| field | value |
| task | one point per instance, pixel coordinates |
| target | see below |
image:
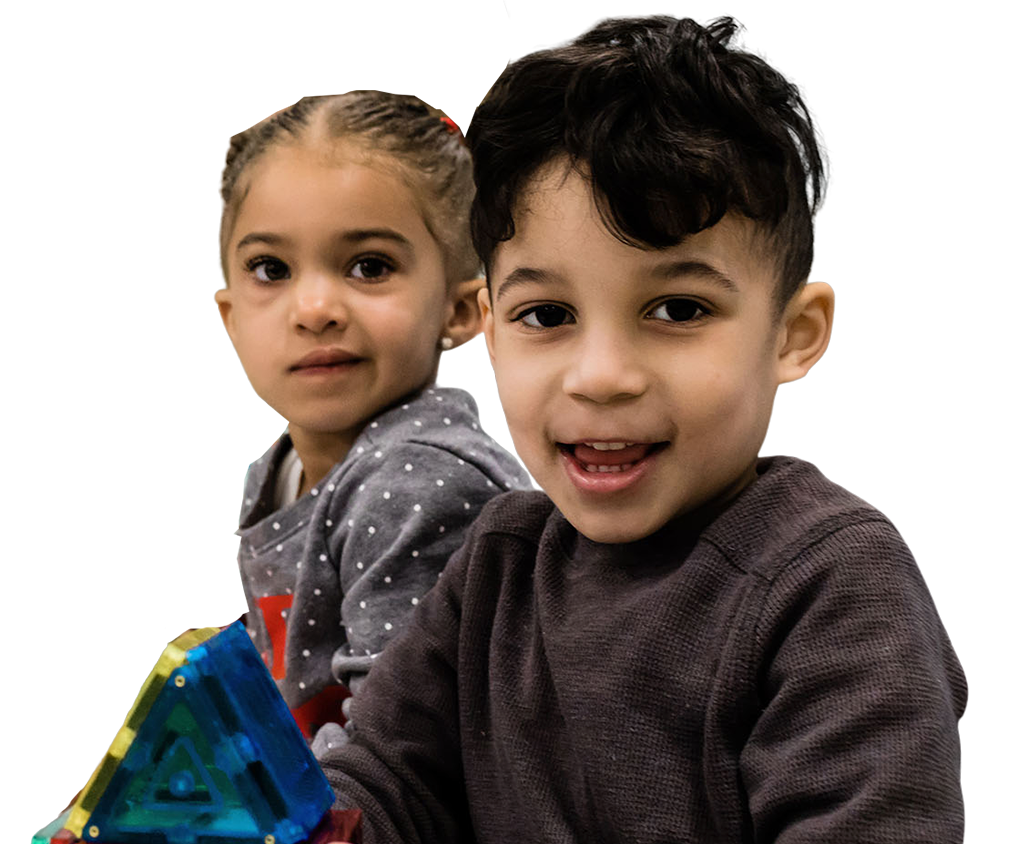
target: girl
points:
(348, 264)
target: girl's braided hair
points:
(425, 144)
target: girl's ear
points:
(224, 299)
(805, 331)
(462, 320)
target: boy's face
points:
(337, 296)
(637, 384)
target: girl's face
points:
(336, 299)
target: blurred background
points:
(129, 424)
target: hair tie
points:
(450, 124)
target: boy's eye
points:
(268, 270)
(545, 316)
(677, 310)
(371, 269)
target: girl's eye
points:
(371, 269)
(545, 316)
(268, 270)
(678, 310)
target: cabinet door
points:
(930, 493)
(186, 407)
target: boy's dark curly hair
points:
(672, 127)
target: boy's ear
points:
(805, 331)
(462, 321)
(487, 319)
(224, 299)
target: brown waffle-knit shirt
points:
(779, 675)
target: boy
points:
(679, 641)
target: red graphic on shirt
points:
(272, 607)
(323, 707)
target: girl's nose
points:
(605, 369)
(319, 303)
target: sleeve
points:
(401, 523)
(403, 766)
(860, 697)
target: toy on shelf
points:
(208, 754)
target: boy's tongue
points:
(614, 457)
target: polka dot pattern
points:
(375, 533)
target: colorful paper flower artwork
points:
(87, 29)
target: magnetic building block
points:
(209, 752)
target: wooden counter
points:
(885, 413)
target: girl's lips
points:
(331, 356)
(603, 471)
(339, 368)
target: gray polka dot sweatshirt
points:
(332, 577)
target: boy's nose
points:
(318, 303)
(605, 370)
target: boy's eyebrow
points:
(664, 271)
(675, 269)
(524, 275)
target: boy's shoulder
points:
(791, 510)
(526, 514)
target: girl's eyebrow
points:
(260, 237)
(357, 235)
(352, 236)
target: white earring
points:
(446, 343)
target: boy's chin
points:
(611, 529)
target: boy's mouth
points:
(609, 456)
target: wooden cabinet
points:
(884, 413)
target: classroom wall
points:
(862, 62)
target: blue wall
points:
(863, 63)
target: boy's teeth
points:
(600, 456)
